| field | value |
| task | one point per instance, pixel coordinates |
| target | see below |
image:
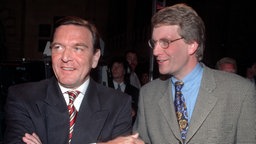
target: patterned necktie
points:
(181, 109)
(72, 112)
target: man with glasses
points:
(195, 104)
(217, 107)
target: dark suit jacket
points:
(225, 112)
(130, 90)
(40, 107)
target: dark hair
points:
(125, 64)
(73, 20)
(131, 51)
(191, 26)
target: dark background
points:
(26, 26)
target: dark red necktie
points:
(72, 111)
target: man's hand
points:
(31, 139)
(131, 139)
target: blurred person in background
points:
(227, 64)
(119, 80)
(132, 59)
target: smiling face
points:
(179, 58)
(72, 55)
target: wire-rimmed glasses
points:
(164, 43)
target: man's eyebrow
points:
(77, 44)
(81, 44)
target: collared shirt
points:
(190, 88)
(134, 80)
(122, 85)
(80, 97)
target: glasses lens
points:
(164, 43)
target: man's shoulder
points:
(226, 79)
(31, 85)
(29, 91)
(157, 84)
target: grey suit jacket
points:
(40, 107)
(225, 112)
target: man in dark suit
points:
(119, 80)
(38, 113)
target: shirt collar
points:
(196, 72)
(116, 84)
(82, 88)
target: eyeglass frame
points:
(161, 41)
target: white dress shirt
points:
(80, 97)
(134, 80)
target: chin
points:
(163, 72)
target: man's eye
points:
(57, 47)
(79, 48)
(164, 42)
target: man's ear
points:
(193, 47)
(96, 57)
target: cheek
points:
(181, 52)
(55, 59)
(85, 62)
(175, 52)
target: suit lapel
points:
(167, 107)
(91, 117)
(54, 111)
(205, 102)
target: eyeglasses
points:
(164, 43)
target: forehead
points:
(165, 31)
(72, 32)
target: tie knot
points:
(73, 95)
(178, 85)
